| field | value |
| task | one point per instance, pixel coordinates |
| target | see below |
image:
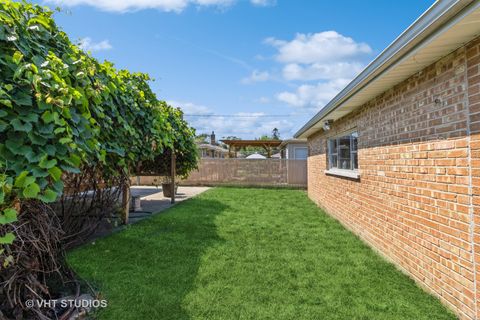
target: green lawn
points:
(247, 254)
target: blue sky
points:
(259, 64)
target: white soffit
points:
(426, 53)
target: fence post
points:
(125, 202)
(172, 172)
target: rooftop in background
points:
(212, 147)
(256, 156)
(292, 141)
(252, 143)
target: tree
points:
(202, 138)
(231, 138)
(275, 134)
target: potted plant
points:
(167, 189)
(185, 162)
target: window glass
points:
(342, 152)
(344, 161)
(354, 141)
(333, 162)
(333, 145)
(355, 160)
(301, 153)
(332, 153)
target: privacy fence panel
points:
(249, 172)
(297, 172)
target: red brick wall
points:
(418, 159)
(473, 85)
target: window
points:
(342, 152)
(301, 153)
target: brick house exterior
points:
(417, 196)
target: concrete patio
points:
(153, 201)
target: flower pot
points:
(167, 188)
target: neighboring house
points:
(212, 149)
(256, 156)
(294, 149)
(395, 156)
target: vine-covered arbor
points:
(73, 131)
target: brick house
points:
(395, 156)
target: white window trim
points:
(353, 174)
(346, 173)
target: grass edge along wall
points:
(419, 165)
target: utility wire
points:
(244, 116)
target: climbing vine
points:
(61, 111)
(186, 152)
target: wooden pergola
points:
(235, 145)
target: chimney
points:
(212, 138)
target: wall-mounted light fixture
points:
(327, 124)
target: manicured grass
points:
(247, 254)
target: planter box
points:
(167, 188)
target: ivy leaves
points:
(61, 109)
(18, 125)
(31, 191)
(7, 238)
(7, 216)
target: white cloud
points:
(190, 108)
(242, 124)
(329, 58)
(263, 3)
(256, 76)
(163, 5)
(317, 71)
(312, 97)
(87, 44)
(322, 47)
